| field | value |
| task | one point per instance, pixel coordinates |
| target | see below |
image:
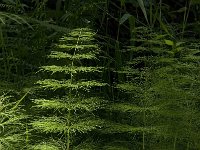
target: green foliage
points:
(50, 145)
(60, 55)
(73, 110)
(55, 84)
(88, 104)
(151, 53)
(158, 100)
(12, 128)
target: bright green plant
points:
(12, 130)
(69, 111)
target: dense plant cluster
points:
(99, 75)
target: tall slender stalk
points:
(70, 94)
(68, 130)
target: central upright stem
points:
(70, 97)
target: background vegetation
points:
(99, 75)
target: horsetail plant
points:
(158, 102)
(12, 129)
(71, 112)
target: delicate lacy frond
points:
(56, 84)
(85, 32)
(68, 69)
(50, 125)
(79, 47)
(88, 104)
(56, 125)
(85, 125)
(81, 38)
(44, 146)
(62, 55)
